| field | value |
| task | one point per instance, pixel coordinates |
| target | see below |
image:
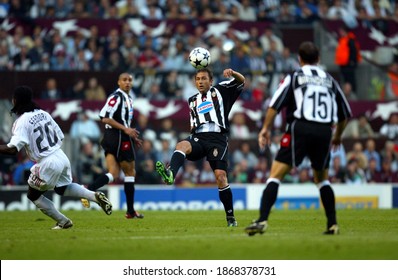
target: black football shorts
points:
(120, 145)
(303, 139)
(213, 146)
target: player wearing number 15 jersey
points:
(314, 102)
(37, 132)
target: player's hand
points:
(264, 138)
(228, 73)
(138, 142)
(336, 142)
(132, 132)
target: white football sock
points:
(47, 207)
(76, 190)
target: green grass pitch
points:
(367, 234)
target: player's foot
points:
(66, 225)
(85, 202)
(231, 221)
(256, 227)
(104, 202)
(334, 229)
(135, 215)
(166, 173)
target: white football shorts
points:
(52, 171)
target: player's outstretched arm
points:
(228, 73)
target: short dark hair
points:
(207, 70)
(23, 100)
(309, 53)
(124, 73)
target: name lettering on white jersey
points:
(38, 133)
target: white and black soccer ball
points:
(199, 58)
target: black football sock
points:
(177, 160)
(268, 199)
(129, 191)
(225, 195)
(328, 201)
(100, 182)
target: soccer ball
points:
(199, 58)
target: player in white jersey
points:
(37, 132)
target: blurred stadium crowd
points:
(123, 50)
(274, 10)
(369, 154)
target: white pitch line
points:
(146, 237)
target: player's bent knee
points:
(60, 190)
(320, 176)
(184, 146)
(221, 177)
(33, 194)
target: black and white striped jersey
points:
(311, 94)
(119, 106)
(209, 112)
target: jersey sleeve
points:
(230, 90)
(192, 105)
(110, 107)
(282, 94)
(57, 129)
(20, 134)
